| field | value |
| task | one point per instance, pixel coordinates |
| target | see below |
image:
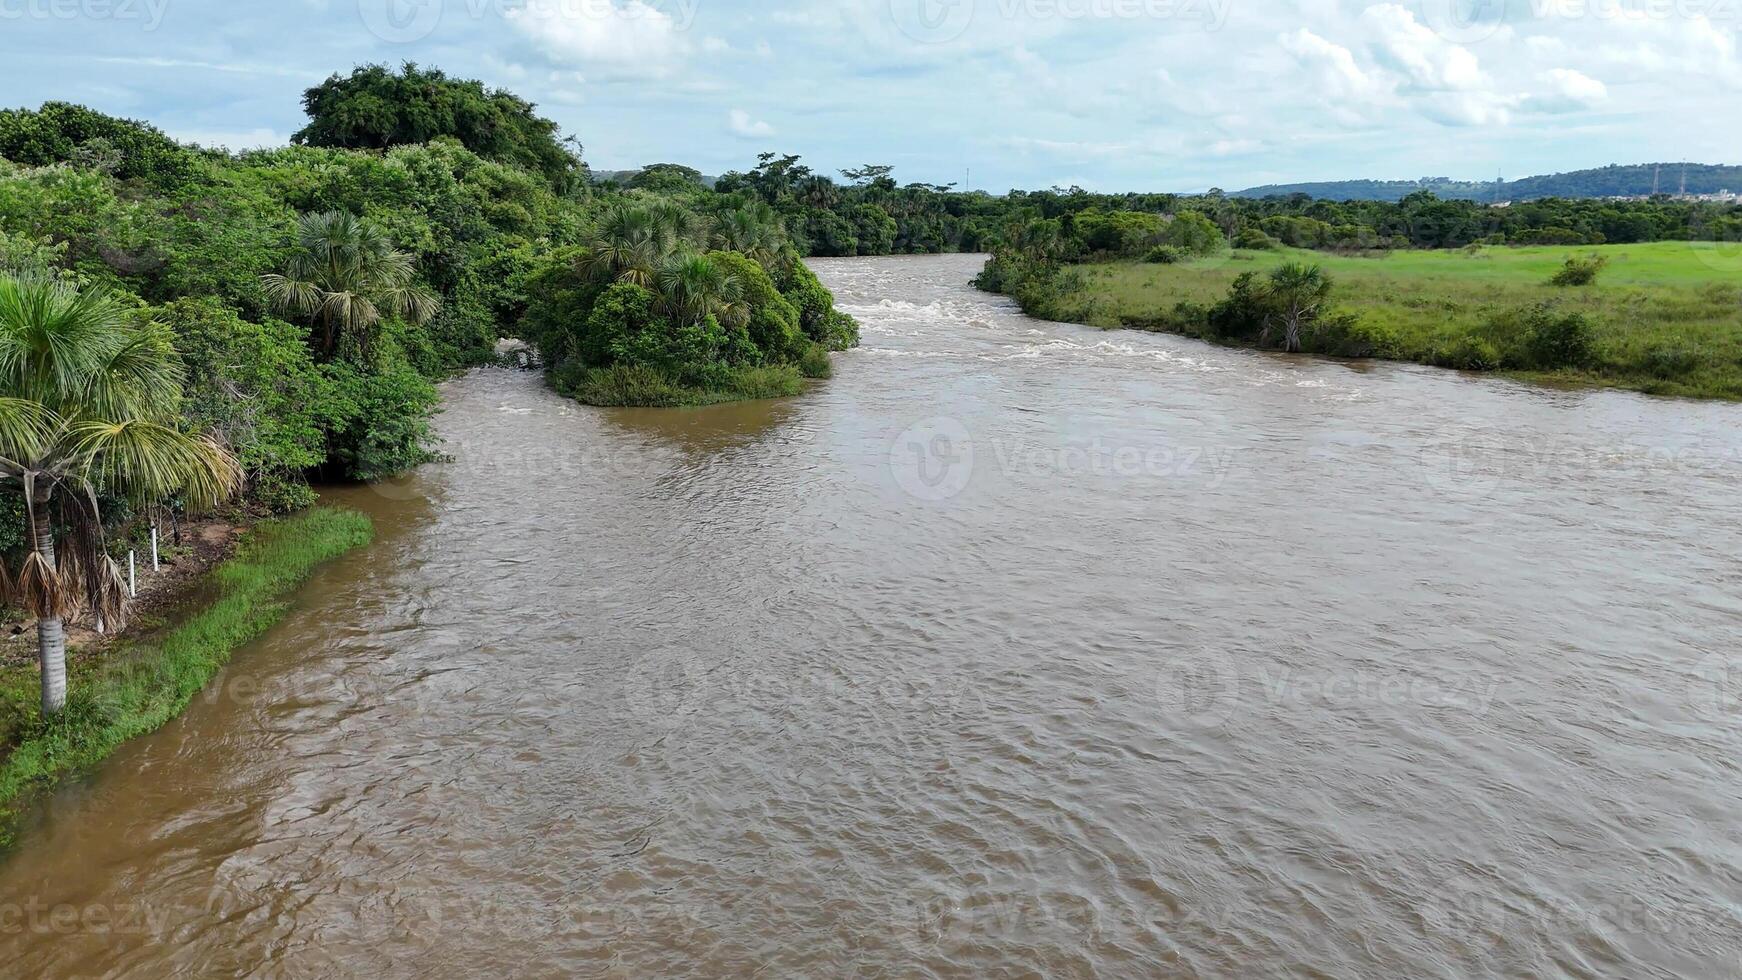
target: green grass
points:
(1666, 316)
(624, 386)
(136, 690)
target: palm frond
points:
(27, 429)
(150, 461)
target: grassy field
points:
(136, 690)
(1666, 317)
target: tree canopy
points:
(376, 107)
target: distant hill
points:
(1634, 180)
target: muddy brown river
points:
(1016, 649)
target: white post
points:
(154, 547)
(132, 576)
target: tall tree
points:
(375, 108)
(87, 407)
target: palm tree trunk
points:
(51, 636)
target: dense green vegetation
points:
(1632, 180)
(1663, 318)
(87, 407)
(137, 690)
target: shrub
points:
(1350, 336)
(60, 132)
(768, 381)
(1193, 233)
(1165, 255)
(625, 384)
(1667, 362)
(1468, 353)
(1241, 314)
(815, 362)
(1558, 341)
(817, 315)
(1579, 271)
(773, 326)
(382, 416)
(1256, 240)
(256, 386)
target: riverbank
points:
(1664, 318)
(122, 689)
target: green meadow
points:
(1666, 317)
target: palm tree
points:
(628, 245)
(683, 228)
(692, 287)
(818, 191)
(754, 231)
(344, 274)
(87, 407)
(1297, 292)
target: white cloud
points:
(1331, 69)
(743, 126)
(611, 39)
(1429, 61)
(1566, 90)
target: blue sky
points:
(1109, 94)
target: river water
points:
(1017, 648)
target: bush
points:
(60, 132)
(1668, 363)
(623, 385)
(1468, 353)
(1240, 315)
(773, 326)
(768, 381)
(1537, 338)
(381, 416)
(817, 315)
(255, 385)
(1165, 255)
(1562, 341)
(1256, 240)
(1193, 234)
(815, 362)
(1579, 271)
(1349, 336)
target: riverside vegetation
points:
(187, 327)
(1662, 317)
(137, 689)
